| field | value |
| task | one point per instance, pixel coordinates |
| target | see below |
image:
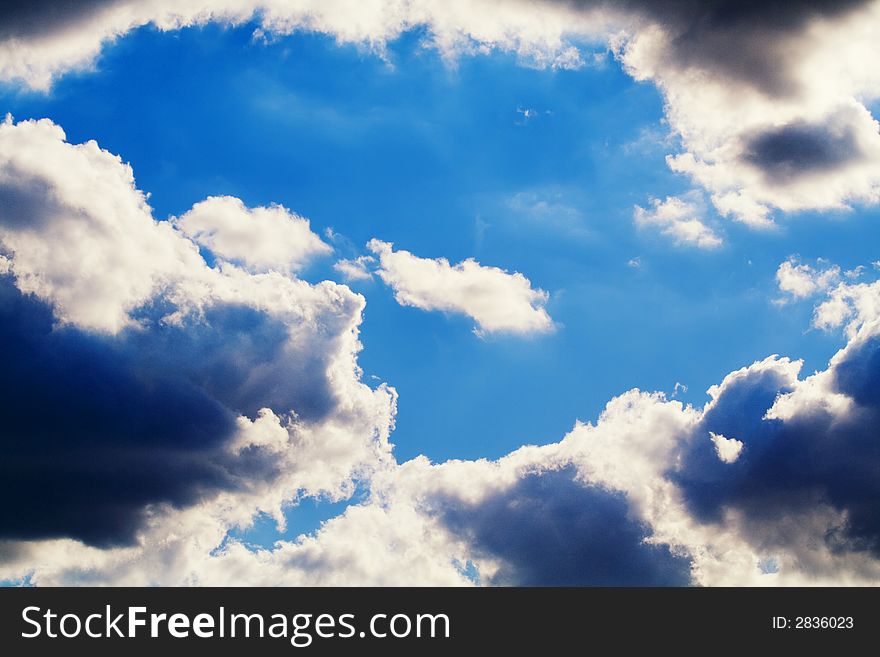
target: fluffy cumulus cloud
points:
(799, 281)
(727, 449)
(85, 238)
(497, 300)
(769, 99)
(680, 219)
(260, 239)
(846, 298)
(849, 304)
(140, 384)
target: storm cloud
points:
(801, 148)
(35, 17)
(137, 380)
(548, 529)
(88, 441)
(745, 42)
(791, 469)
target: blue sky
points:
(530, 169)
(431, 157)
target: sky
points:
(506, 293)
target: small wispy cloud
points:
(681, 218)
(799, 281)
(356, 269)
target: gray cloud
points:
(88, 440)
(31, 18)
(192, 393)
(548, 529)
(26, 201)
(747, 41)
(801, 148)
(790, 469)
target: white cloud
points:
(855, 273)
(456, 27)
(856, 305)
(83, 237)
(497, 300)
(800, 281)
(846, 303)
(356, 269)
(680, 219)
(638, 440)
(728, 449)
(261, 239)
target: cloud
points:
(140, 383)
(853, 304)
(796, 166)
(845, 302)
(83, 236)
(768, 111)
(548, 209)
(498, 301)
(732, 39)
(680, 219)
(261, 239)
(803, 484)
(45, 41)
(728, 449)
(356, 269)
(801, 281)
(800, 148)
(88, 443)
(548, 529)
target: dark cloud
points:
(26, 201)
(787, 469)
(801, 148)
(858, 375)
(782, 14)
(11, 551)
(29, 18)
(748, 41)
(550, 530)
(233, 353)
(91, 435)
